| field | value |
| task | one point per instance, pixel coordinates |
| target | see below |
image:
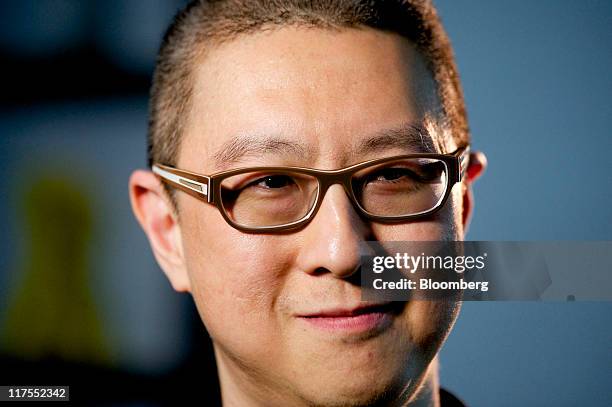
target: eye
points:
(430, 172)
(272, 182)
(391, 175)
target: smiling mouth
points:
(357, 320)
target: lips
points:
(339, 312)
(363, 318)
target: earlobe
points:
(156, 216)
(476, 167)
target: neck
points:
(428, 394)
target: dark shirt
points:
(448, 399)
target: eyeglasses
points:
(267, 199)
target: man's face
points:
(276, 305)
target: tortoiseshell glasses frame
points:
(384, 174)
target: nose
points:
(332, 241)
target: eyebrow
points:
(241, 147)
(408, 136)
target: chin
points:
(364, 391)
(363, 385)
(375, 371)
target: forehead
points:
(325, 91)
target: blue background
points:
(537, 77)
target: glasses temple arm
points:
(463, 161)
(167, 174)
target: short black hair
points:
(205, 23)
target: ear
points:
(476, 167)
(156, 216)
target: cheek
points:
(429, 322)
(235, 277)
(443, 226)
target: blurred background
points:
(82, 301)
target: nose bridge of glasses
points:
(327, 178)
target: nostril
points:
(320, 271)
(351, 276)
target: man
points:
(283, 135)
